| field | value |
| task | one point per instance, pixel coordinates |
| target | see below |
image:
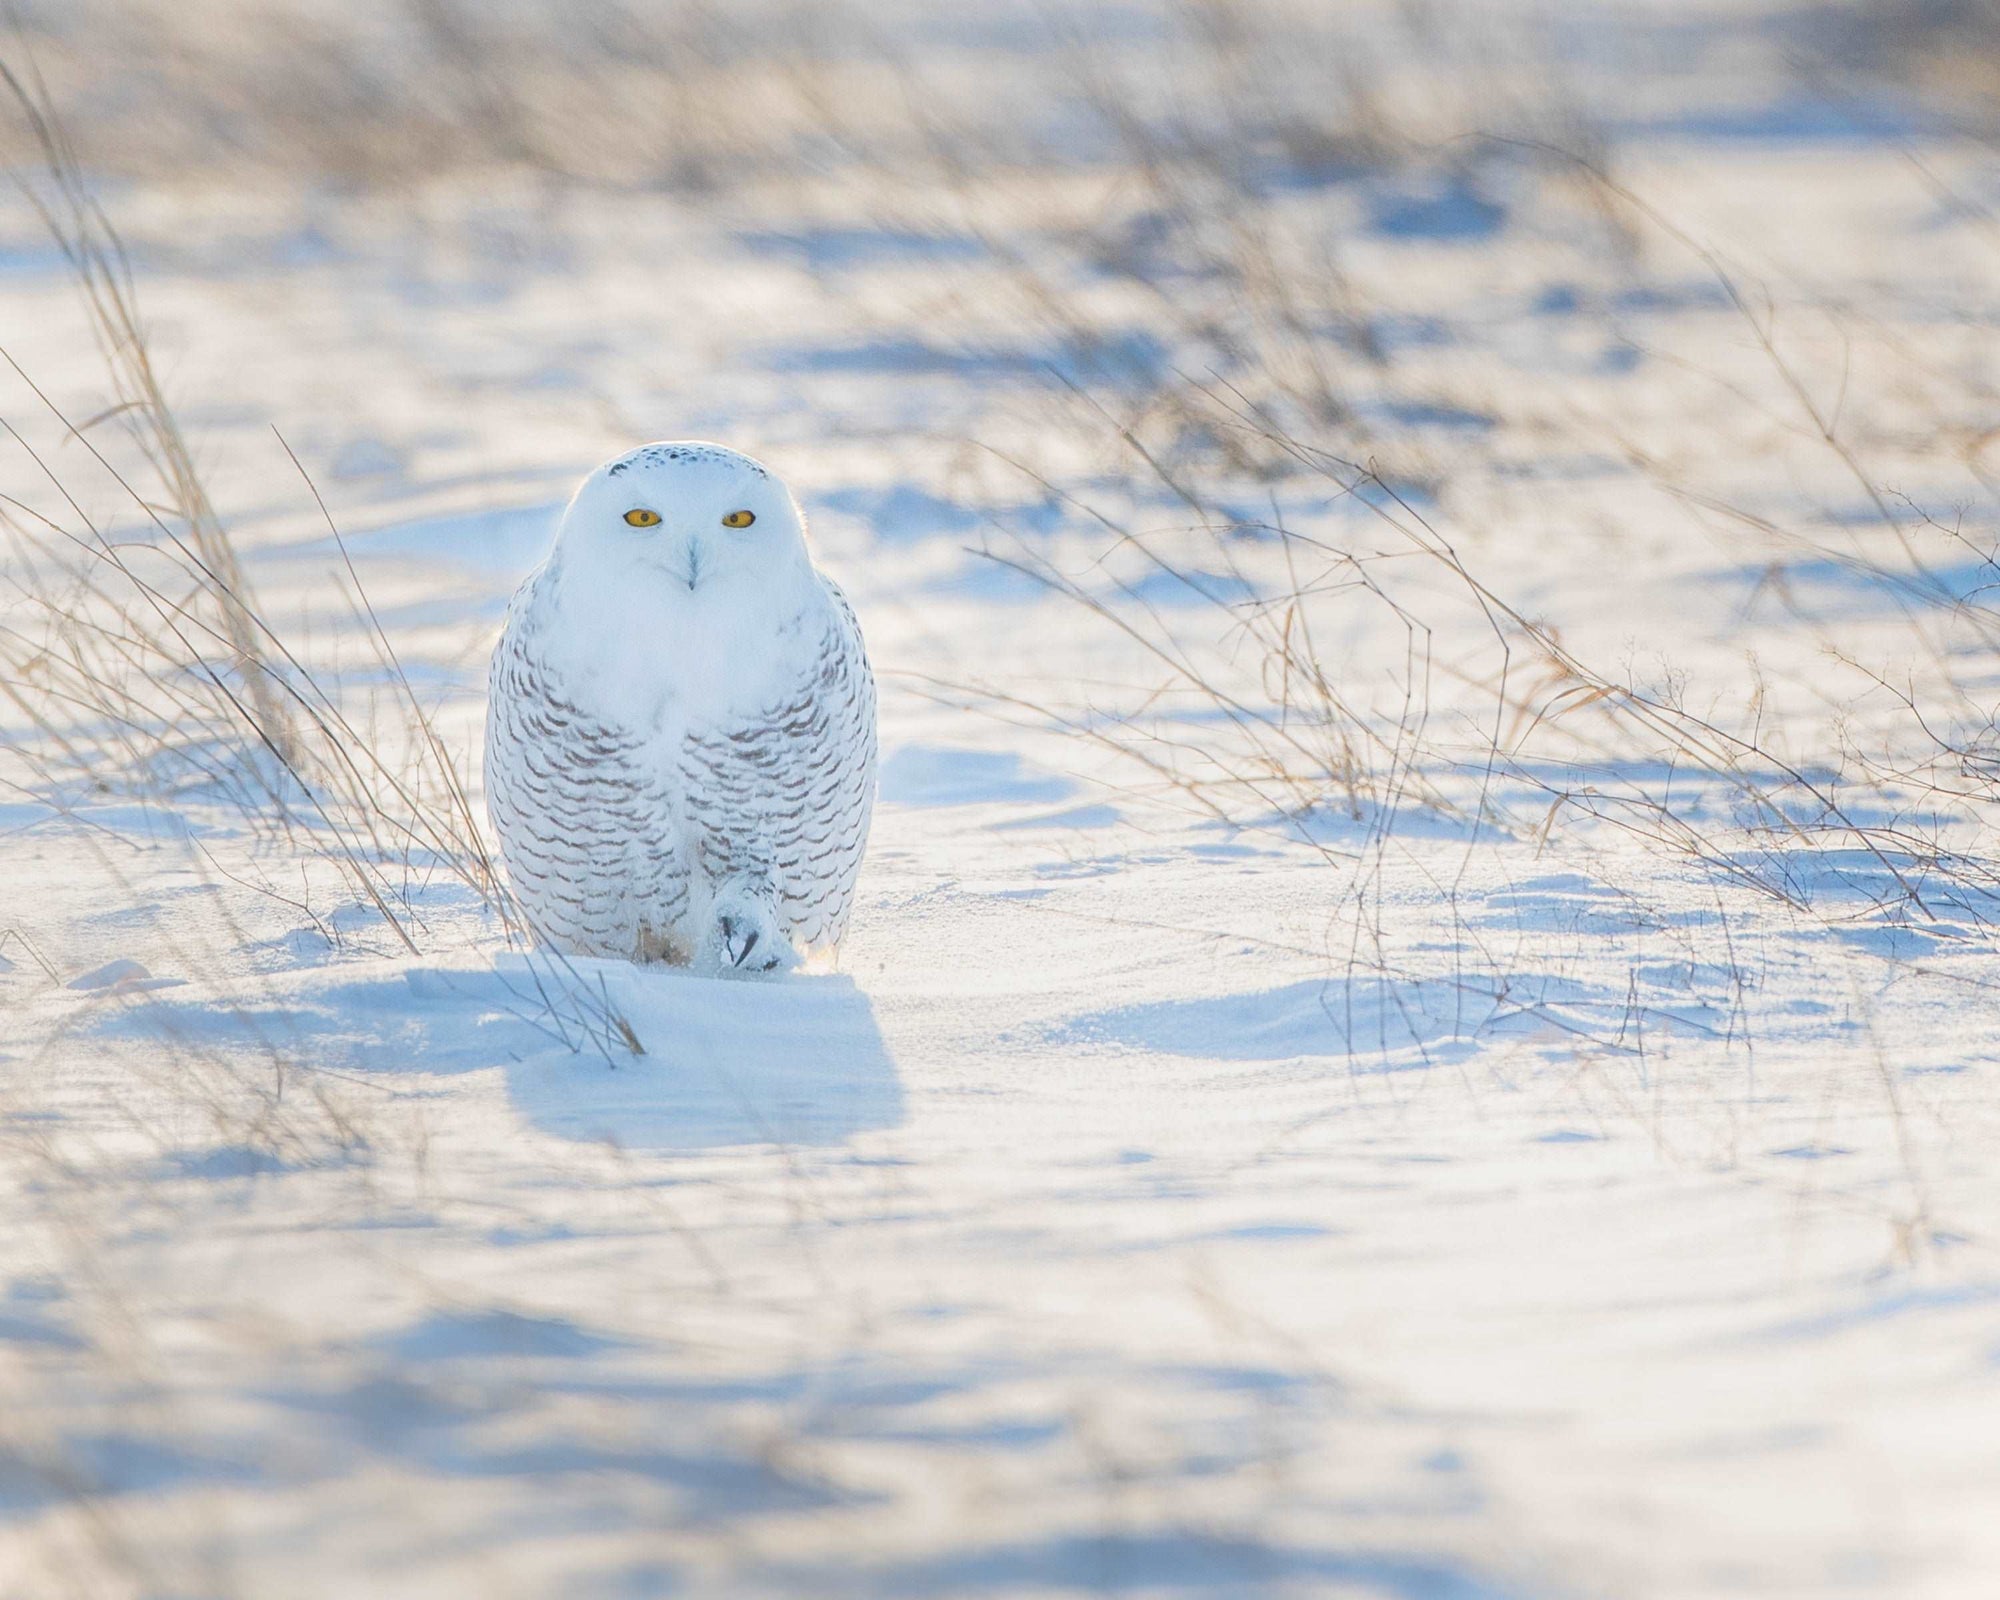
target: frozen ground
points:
(1174, 1191)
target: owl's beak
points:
(693, 563)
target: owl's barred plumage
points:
(680, 742)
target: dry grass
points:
(146, 665)
(1260, 357)
(143, 665)
(684, 94)
(1257, 713)
(152, 667)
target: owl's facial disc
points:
(694, 516)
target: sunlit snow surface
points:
(1114, 1219)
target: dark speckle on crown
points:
(657, 455)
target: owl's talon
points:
(744, 941)
(737, 941)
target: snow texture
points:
(1181, 1186)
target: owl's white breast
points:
(653, 657)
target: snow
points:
(1506, 1196)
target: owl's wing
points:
(783, 799)
(579, 815)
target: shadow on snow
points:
(796, 1061)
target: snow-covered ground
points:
(1546, 1151)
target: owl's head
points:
(695, 519)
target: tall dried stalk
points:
(96, 257)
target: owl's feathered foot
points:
(744, 936)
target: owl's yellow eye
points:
(640, 517)
(739, 519)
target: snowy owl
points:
(680, 739)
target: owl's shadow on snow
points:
(791, 1061)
